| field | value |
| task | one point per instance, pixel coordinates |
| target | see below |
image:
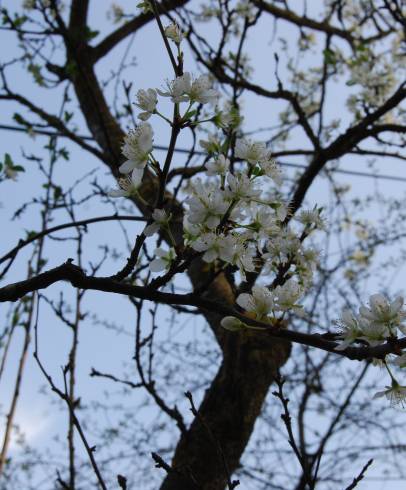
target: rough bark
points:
(230, 408)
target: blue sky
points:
(99, 347)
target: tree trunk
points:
(230, 408)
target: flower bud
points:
(174, 32)
(232, 323)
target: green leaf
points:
(257, 171)
(67, 116)
(71, 68)
(329, 57)
(64, 153)
(91, 34)
(57, 192)
(8, 161)
(19, 20)
(19, 119)
(15, 318)
(145, 6)
(35, 70)
(30, 234)
(189, 114)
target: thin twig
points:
(360, 476)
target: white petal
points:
(210, 255)
(397, 304)
(117, 193)
(151, 229)
(245, 301)
(127, 166)
(144, 116)
(380, 394)
(136, 176)
(157, 265)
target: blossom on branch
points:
(396, 394)
(261, 301)
(146, 101)
(174, 32)
(161, 219)
(128, 186)
(184, 89)
(232, 323)
(136, 148)
(219, 166)
(163, 260)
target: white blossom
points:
(256, 152)
(174, 32)
(145, 6)
(251, 151)
(212, 144)
(271, 169)
(146, 101)
(287, 295)
(218, 166)
(396, 394)
(281, 210)
(260, 302)
(190, 231)
(213, 246)
(163, 260)
(207, 12)
(383, 313)
(241, 188)
(240, 255)
(202, 92)
(351, 329)
(282, 247)
(160, 219)
(136, 148)
(311, 217)
(229, 117)
(177, 89)
(263, 224)
(374, 333)
(206, 206)
(184, 89)
(128, 186)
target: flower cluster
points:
(138, 143)
(137, 148)
(374, 324)
(266, 305)
(186, 89)
(235, 218)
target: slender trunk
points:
(16, 394)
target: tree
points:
(227, 227)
